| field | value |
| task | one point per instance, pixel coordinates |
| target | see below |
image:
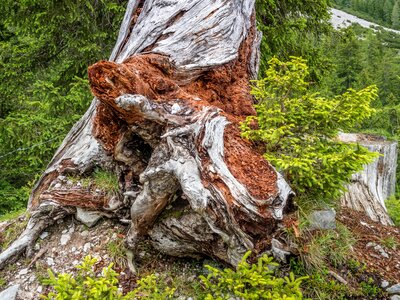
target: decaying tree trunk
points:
(370, 188)
(165, 121)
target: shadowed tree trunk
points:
(165, 122)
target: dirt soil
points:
(367, 232)
(65, 244)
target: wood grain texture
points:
(165, 121)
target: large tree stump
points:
(165, 121)
(370, 188)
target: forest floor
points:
(65, 244)
(377, 246)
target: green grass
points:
(390, 242)
(327, 247)
(12, 215)
(101, 179)
(393, 209)
(117, 251)
(106, 181)
(12, 232)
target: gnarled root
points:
(42, 217)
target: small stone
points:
(65, 231)
(89, 218)
(86, 247)
(73, 249)
(365, 224)
(32, 278)
(395, 297)
(58, 185)
(323, 219)
(39, 289)
(23, 272)
(394, 289)
(10, 293)
(50, 261)
(71, 230)
(175, 108)
(75, 262)
(36, 247)
(44, 235)
(384, 284)
(378, 248)
(84, 233)
(65, 239)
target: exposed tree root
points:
(45, 215)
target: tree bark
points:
(165, 120)
(370, 188)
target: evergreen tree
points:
(396, 15)
(45, 49)
(387, 11)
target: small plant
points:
(117, 251)
(299, 128)
(330, 247)
(356, 266)
(3, 282)
(393, 208)
(370, 289)
(320, 284)
(148, 288)
(87, 285)
(12, 232)
(106, 181)
(255, 281)
(101, 179)
(390, 242)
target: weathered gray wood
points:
(165, 121)
(370, 188)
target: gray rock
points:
(89, 218)
(23, 272)
(65, 239)
(50, 261)
(10, 293)
(384, 284)
(86, 247)
(394, 289)
(323, 219)
(378, 248)
(44, 235)
(395, 297)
